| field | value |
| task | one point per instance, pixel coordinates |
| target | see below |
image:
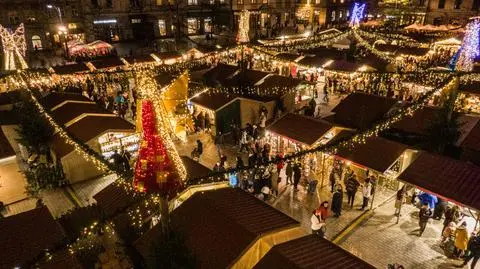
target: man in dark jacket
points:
(297, 175)
(474, 248)
(423, 216)
(337, 200)
(289, 172)
(352, 186)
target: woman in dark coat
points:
(337, 200)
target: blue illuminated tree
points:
(358, 12)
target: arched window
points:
(36, 42)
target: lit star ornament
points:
(470, 46)
(357, 14)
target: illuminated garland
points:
(362, 42)
(405, 40)
(318, 41)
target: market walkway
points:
(398, 243)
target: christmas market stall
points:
(69, 69)
(296, 254)
(293, 133)
(241, 96)
(103, 131)
(27, 235)
(360, 110)
(207, 219)
(170, 57)
(106, 64)
(377, 158)
(469, 142)
(140, 60)
(449, 182)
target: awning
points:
(446, 177)
(376, 153)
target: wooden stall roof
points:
(419, 123)
(88, 128)
(60, 260)
(360, 110)
(114, 198)
(280, 83)
(219, 74)
(212, 101)
(343, 66)
(107, 62)
(73, 222)
(55, 98)
(452, 179)
(7, 98)
(26, 235)
(472, 139)
(194, 169)
(219, 225)
(6, 149)
(331, 53)
(402, 50)
(140, 59)
(168, 55)
(70, 111)
(376, 153)
(245, 78)
(316, 61)
(70, 68)
(310, 252)
(288, 56)
(300, 128)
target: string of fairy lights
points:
(149, 90)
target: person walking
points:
(337, 201)
(199, 149)
(289, 172)
(452, 214)
(297, 174)
(367, 192)
(400, 199)
(461, 240)
(274, 180)
(243, 141)
(352, 187)
(218, 142)
(474, 250)
(423, 216)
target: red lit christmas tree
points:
(154, 171)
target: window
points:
(159, 2)
(74, 12)
(36, 42)
(211, 2)
(222, 1)
(192, 24)
(72, 26)
(94, 3)
(239, 2)
(317, 2)
(333, 15)
(340, 14)
(162, 27)
(192, 2)
(136, 20)
(254, 1)
(109, 3)
(341, 1)
(264, 1)
(441, 4)
(207, 24)
(458, 3)
(134, 3)
(476, 4)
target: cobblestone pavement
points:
(380, 241)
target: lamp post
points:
(62, 28)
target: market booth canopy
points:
(27, 235)
(454, 180)
(376, 153)
(310, 252)
(304, 130)
(226, 228)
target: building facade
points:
(323, 12)
(450, 11)
(112, 20)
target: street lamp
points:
(62, 27)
